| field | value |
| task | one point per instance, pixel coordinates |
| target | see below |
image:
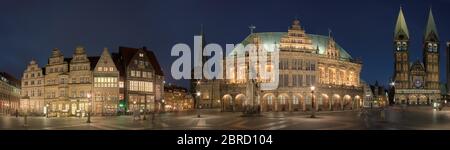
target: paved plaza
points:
(417, 118)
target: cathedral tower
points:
(401, 44)
(431, 54)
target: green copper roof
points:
(431, 27)
(401, 27)
(270, 38)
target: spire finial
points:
(431, 30)
(252, 28)
(329, 32)
(401, 29)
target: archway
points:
(422, 100)
(347, 102)
(297, 102)
(324, 103)
(357, 102)
(227, 103)
(268, 103)
(283, 102)
(400, 99)
(336, 102)
(239, 102)
(413, 99)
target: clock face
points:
(418, 83)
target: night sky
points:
(31, 29)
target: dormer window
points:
(435, 47)
(141, 55)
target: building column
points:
(304, 104)
(276, 104)
(329, 104)
(290, 104)
(261, 106)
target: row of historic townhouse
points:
(104, 85)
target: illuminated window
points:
(144, 74)
(100, 68)
(269, 100)
(111, 69)
(141, 55)
(138, 73)
(105, 82)
(141, 86)
(133, 73)
(295, 100)
(282, 100)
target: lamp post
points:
(89, 107)
(26, 114)
(47, 107)
(134, 110)
(163, 105)
(145, 107)
(393, 91)
(313, 111)
(198, 103)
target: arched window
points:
(404, 45)
(269, 100)
(430, 47)
(282, 100)
(398, 46)
(295, 100)
(435, 47)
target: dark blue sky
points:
(30, 29)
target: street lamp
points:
(89, 107)
(134, 110)
(47, 106)
(198, 103)
(393, 91)
(163, 105)
(313, 111)
(145, 108)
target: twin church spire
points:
(402, 33)
(419, 75)
(431, 33)
(401, 29)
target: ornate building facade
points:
(32, 94)
(416, 82)
(9, 94)
(106, 85)
(305, 60)
(141, 80)
(81, 84)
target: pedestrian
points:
(153, 116)
(382, 114)
(17, 113)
